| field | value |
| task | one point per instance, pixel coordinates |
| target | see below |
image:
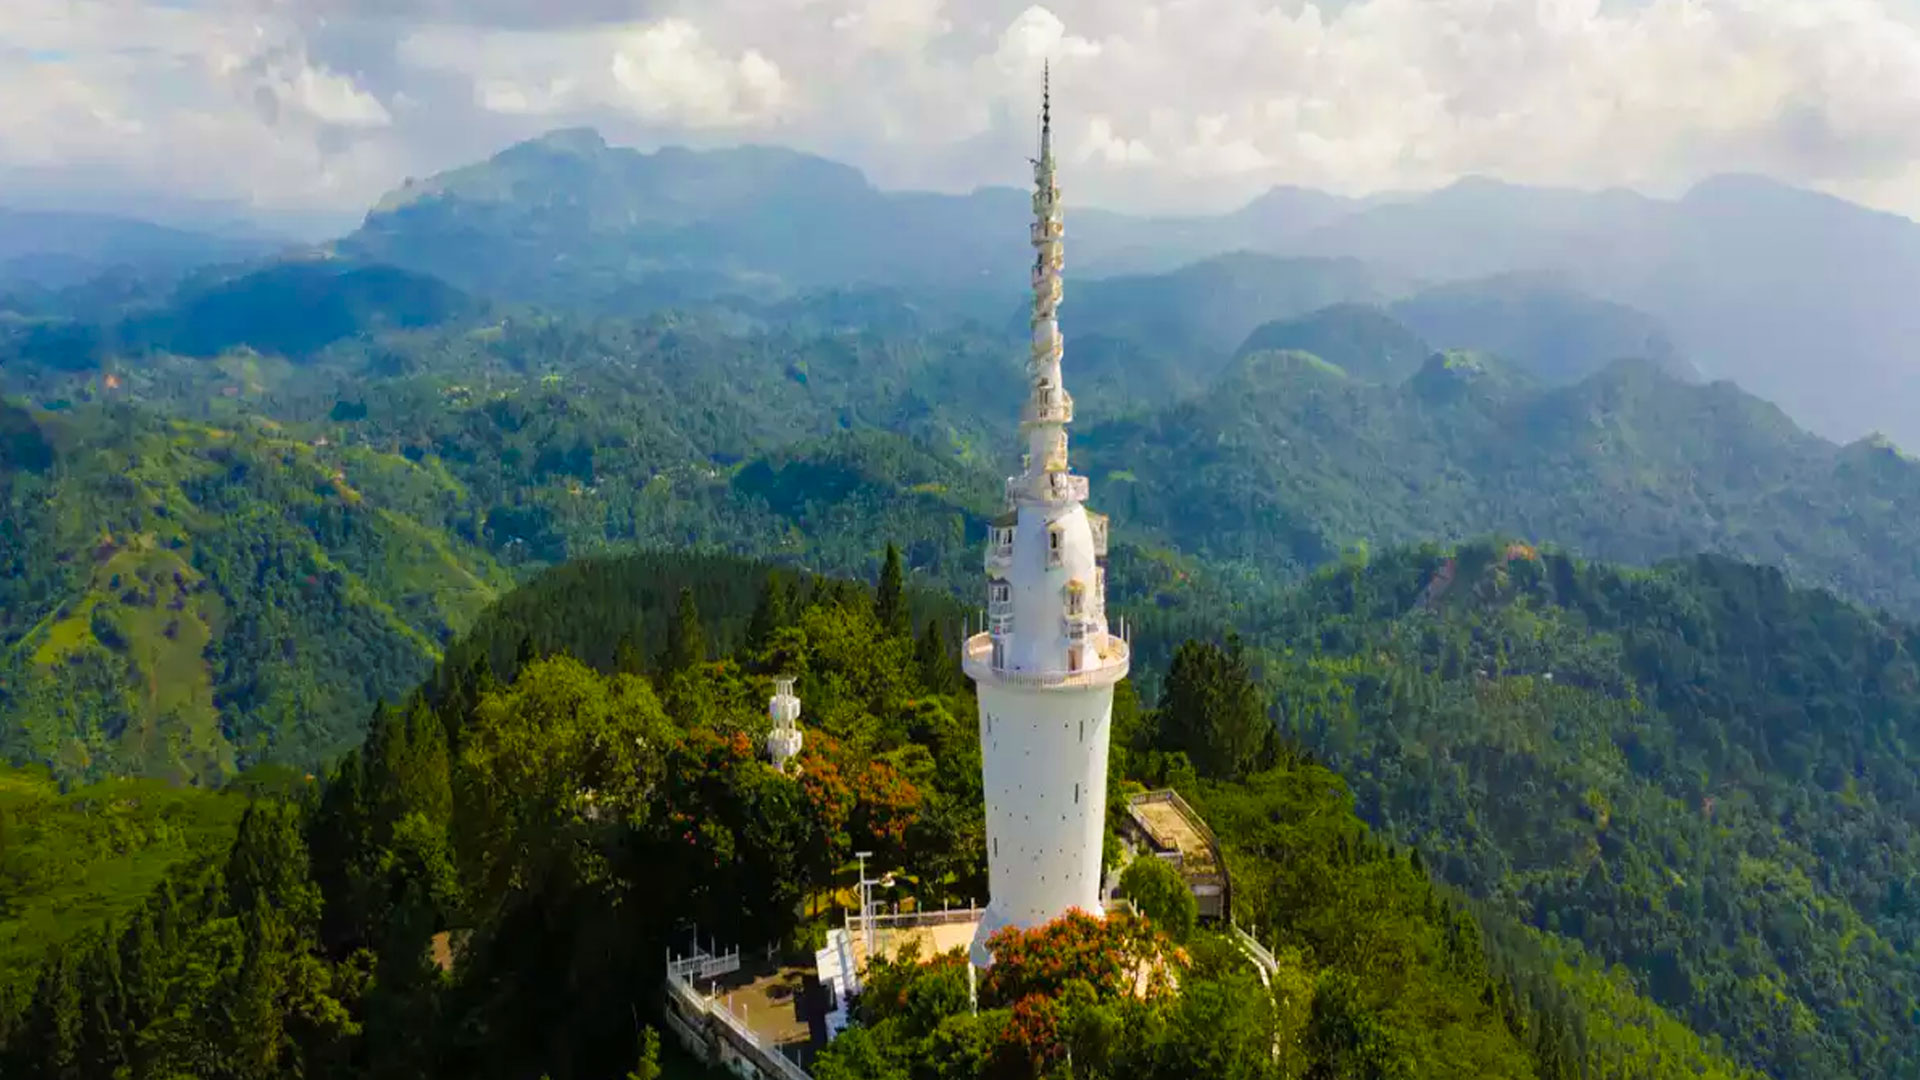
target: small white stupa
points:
(783, 742)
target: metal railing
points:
(767, 1057)
(701, 965)
(1219, 874)
(913, 920)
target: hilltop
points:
(592, 808)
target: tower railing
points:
(1050, 407)
(1109, 665)
(1048, 487)
(999, 558)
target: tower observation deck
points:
(1046, 665)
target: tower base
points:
(991, 921)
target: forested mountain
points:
(1747, 279)
(1539, 325)
(562, 820)
(409, 472)
(181, 598)
(1698, 770)
(1359, 339)
(1207, 309)
(1750, 277)
(292, 309)
(1288, 461)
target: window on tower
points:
(1076, 598)
(1055, 541)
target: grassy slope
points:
(180, 535)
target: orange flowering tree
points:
(855, 803)
(1119, 956)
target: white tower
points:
(783, 742)
(1046, 666)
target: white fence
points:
(745, 1044)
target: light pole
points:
(866, 904)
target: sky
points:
(301, 113)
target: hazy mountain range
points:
(1801, 298)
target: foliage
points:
(1698, 771)
(1211, 711)
(340, 509)
(1359, 339)
(1285, 465)
(73, 862)
(550, 836)
(1160, 893)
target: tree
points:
(1212, 710)
(686, 640)
(890, 606)
(1345, 1039)
(1161, 894)
(648, 1067)
(627, 658)
(772, 609)
(936, 664)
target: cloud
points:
(320, 105)
(664, 72)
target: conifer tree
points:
(648, 1067)
(772, 609)
(1212, 710)
(935, 663)
(626, 656)
(686, 641)
(890, 606)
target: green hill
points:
(1287, 463)
(1211, 306)
(1699, 771)
(1360, 339)
(564, 821)
(1540, 324)
(195, 598)
(72, 862)
(392, 481)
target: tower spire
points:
(1049, 407)
(1046, 110)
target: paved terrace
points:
(1175, 832)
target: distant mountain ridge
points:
(1287, 460)
(1750, 280)
(46, 249)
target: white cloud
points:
(664, 72)
(1104, 144)
(892, 26)
(1161, 103)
